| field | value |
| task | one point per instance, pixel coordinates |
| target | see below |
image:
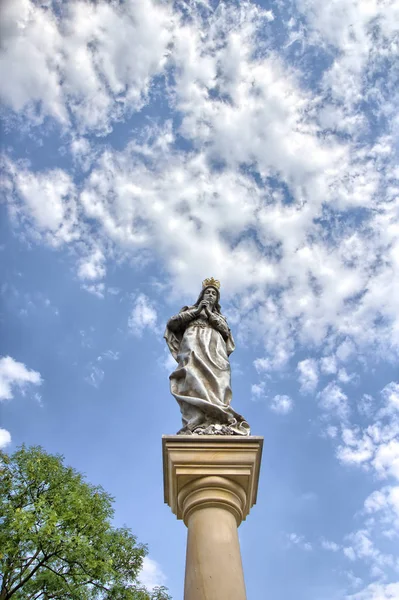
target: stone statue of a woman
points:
(200, 340)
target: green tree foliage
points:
(56, 537)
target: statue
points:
(200, 340)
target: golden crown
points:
(211, 282)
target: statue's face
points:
(210, 296)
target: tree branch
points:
(25, 579)
(23, 569)
(91, 580)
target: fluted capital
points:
(209, 471)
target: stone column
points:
(210, 482)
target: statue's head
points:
(210, 292)
(211, 295)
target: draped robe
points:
(201, 382)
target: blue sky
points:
(148, 145)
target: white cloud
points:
(308, 375)
(79, 63)
(295, 539)
(31, 39)
(92, 266)
(349, 553)
(344, 377)
(281, 404)
(96, 376)
(258, 390)
(97, 289)
(390, 394)
(333, 401)
(151, 574)
(5, 438)
(143, 316)
(277, 361)
(356, 450)
(366, 405)
(329, 545)
(83, 152)
(166, 361)
(375, 446)
(377, 591)
(14, 374)
(386, 460)
(363, 548)
(263, 95)
(385, 502)
(346, 29)
(45, 202)
(109, 355)
(331, 431)
(345, 350)
(362, 544)
(328, 365)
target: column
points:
(210, 483)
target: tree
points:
(56, 537)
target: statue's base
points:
(214, 430)
(211, 483)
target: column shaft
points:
(213, 562)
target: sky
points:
(147, 145)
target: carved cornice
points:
(202, 471)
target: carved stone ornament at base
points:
(210, 430)
(200, 341)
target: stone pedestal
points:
(210, 482)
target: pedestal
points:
(210, 482)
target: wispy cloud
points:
(95, 375)
(281, 404)
(143, 316)
(15, 375)
(377, 591)
(294, 539)
(5, 438)
(151, 574)
(308, 375)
